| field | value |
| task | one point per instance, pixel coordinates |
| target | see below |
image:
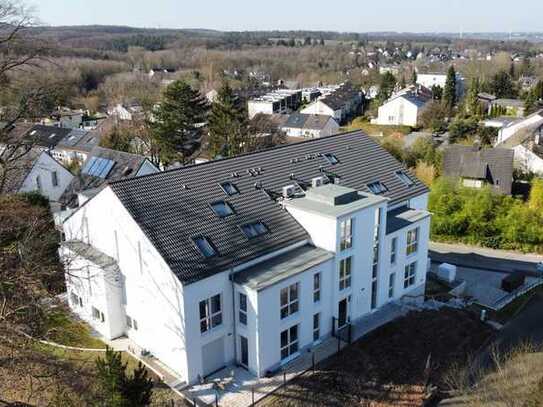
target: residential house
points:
(512, 126)
(278, 101)
(429, 80)
(478, 167)
(309, 125)
(35, 171)
(526, 142)
(66, 118)
(512, 107)
(404, 108)
(250, 260)
(341, 103)
(125, 112)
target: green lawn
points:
(361, 123)
(64, 329)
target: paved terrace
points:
(234, 386)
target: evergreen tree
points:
(502, 85)
(386, 86)
(138, 388)
(530, 103)
(538, 90)
(512, 72)
(227, 125)
(307, 41)
(322, 41)
(449, 92)
(177, 122)
(414, 77)
(473, 107)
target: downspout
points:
(231, 276)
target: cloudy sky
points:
(338, 15)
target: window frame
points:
(54, 178)
(410, 275)
(242, 314)
(404, 177)
(331, 158)
(412, 245)
(227, 190)
(372, 186)
(393, 250)
(291, 306)
(207, 321)
(391, 284)
(250, 230)
(345, 272)
(227, 205)
(317, 287)
(317, 327)
(291, 346)
(346, 234)
(201, 250)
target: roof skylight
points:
(331, 158)
(204, 246)
(404, 177)
(255, 229)
(377, 188)
(222, 209)
(229, 188)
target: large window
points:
(317, 287)
(204, 246)
(393, 249)
(345, 273)
(255, 229)
(391, 284)
(346, 232)
(54, 179)
(316, 327)
(210, 313)
(410, 275)
(412, 241)
(98, 315)
(222, 209)
(242, 309)
(131, 323)
(289, 342)
(289, 300)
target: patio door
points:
(244, 351)
(343, 312)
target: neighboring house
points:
(342, 103)
(309, 125)
(513, 107)
(514, 126)
(404, 108)
(66, 118)
(478, 167)
(251, 260)
(166, 76)
(278, 101)
(527, 143)
(101, 167)
(429, 80)
(37, 171)
(125, 112)
(311, 94)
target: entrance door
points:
(342, 313)
(244, 351)
(213, 356)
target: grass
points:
(361, 123)
(64, 329)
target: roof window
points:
(229, 188)
(204, 246)
(377, 188)
(255, 229)
(404, 177)
(222, 209)
(331, 158)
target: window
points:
(76, 300)
(98, 315)
(345, 273)
(131, 323)
(252, 230)
(289, 342)
(391, 283)
(412, 241)
(393, 248)
(38, 183)
(316, 327)
(317, 287)
(406, 179)
(229, 188)
(222, 209)
(242, 309)
(54, 178)
(377, 188)
(210, 313)
(331, 158)
(346, 232)
(204, 246)
(374, 294)
(289, 300)
(410, 274)
(375, 265)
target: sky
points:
(333, 15)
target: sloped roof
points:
(19, 169)
(340, 97)
(494, 165)
(46, 136)
(172, 207)
(307, 121)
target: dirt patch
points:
(389, 367)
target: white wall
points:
(508, 131)
(152, 294)
(147, 168)
(44, 167)
(398, 112)
(330, 128)
(318, 107)
(527, 161)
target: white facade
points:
(122, 275)
(331, 127)
(506, 132)
(319, 107)
(398, 111)
(527, 161)
(48, 177)
(428, 80)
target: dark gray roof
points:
(283, 266)
(307, 121)
(72, 139)
(341, 96)
(494, 165)
(19, 169)
(403, 217)
(126, 166)
(173, 206)
(46, 136)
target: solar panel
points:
(98, 167)
(106, 170)
(87, 168)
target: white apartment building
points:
(429, 80)
(278, 101)
(249, 260)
